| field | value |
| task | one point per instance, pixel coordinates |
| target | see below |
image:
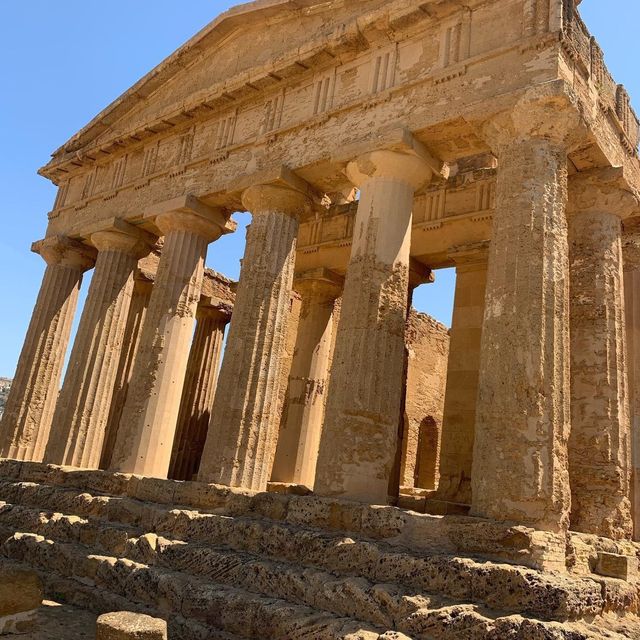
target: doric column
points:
(244, 425)
(520, 466)
(459, 418)
(599, 444)
(301, 424)
(81, 415)
(199, 392)
(27, 417)
(359, 438)
(148, 423)
(137, 310)
(631, 254)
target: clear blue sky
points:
(62, 62)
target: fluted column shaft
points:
(81, 415)
(632, 314)
(301, 424)
(199, 392)
(137, 311)
(599, 445)
(148, 423)
(360, 434)
(520, 469)
(459, 417)
(26, 423)
(243, 432)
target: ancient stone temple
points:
(350, 470)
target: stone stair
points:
(218, 563)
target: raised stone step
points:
(501, 587)
(254, 616)
(99, 601)
(424, 532)
(338, 569)
(381, 604)
(231, 609)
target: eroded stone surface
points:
(212, 568)
(520, 461)
(125, 625)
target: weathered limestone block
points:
(599, 445)
(631, 254)
(81, 415)
(26, 422)
(301, 422)
(615, 565)
(199, 393)
(242, 436)
(21, 596)
(140, 298)
(520, 466)
(359, 439)
(458, 429)
(124, 625)
(147, 426)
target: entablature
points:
(435, 68)
(456, 212)
(361, 63)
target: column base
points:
(444, 508)
(288, 488)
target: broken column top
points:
(125, 625)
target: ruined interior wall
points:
(428, 344)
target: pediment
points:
(248, 49)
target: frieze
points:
(470, 195)
(215, 136)
(382, 65)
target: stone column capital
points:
(470, 256)
(120, 241)
(419, 274)
(185, 221)
(116, 234)
(208, 310)
(269, 198)
(602, 191)
(392, 165)
(319, 283)
(545, 113)
(63, 251)
(631, 250)
(189, 213)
